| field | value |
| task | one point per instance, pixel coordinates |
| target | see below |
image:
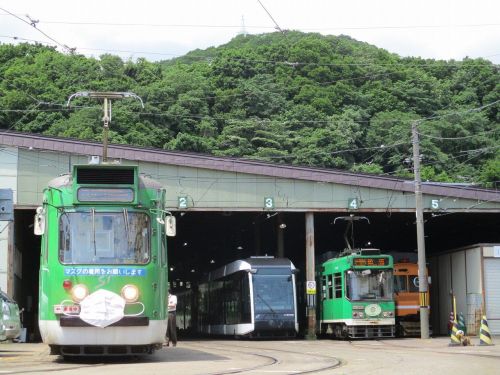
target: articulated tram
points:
(103, 266)
(254, 297)
(357, 295)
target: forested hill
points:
(290, 98)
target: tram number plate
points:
(363, 262)
(66, 309)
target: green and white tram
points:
(357, 296)
(103, 266)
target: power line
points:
(459, 138)
(477, 109)
(220, 117)
(271, 17)
(234, 26)
(33, 23)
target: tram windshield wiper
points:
(266, 303)
(93, 231)
(127, 226)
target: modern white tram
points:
(254, 297)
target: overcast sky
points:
(160, 30)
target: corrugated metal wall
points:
(492, 286)
(458, 272)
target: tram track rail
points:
(268, 358)
(258, 357)
(231, 348)
(385, 344)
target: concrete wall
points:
(37, 168)
(8, 180)
(220, 190)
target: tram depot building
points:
(229, 209)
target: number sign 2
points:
(182, 202)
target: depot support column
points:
(310, 276)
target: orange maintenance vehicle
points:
(406, 296)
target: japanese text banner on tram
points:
(104, 271)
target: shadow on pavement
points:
(169, 354)
(6, 353)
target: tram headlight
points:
(79, 292)
(358, 314)
(388, 314)
(130, 293)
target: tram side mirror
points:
(170, 226)
(39, 227)
(295, 271)
(429, 280)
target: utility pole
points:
(310, 276)
(422, 266)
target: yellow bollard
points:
(484, 333)
(455, 340)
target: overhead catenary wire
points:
(238, 120)
(238, 26)
(459, 138)
(271, 17)
(476, 109)
(33, 24)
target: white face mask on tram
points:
(102, 308)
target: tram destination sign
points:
(105, 195)
(368, 262)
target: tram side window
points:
(413, 283)
(337, 277)
(246, 309)
(231, 300)
(400, 283)
(203, 306)
(64, 240)
(323, 287)
(330, 286)
(216, 301)
(234, 299)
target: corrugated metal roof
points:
(185, 159)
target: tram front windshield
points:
(369, 285)
(273, 291)
(104, 238)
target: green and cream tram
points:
(103, 267)
(357, 296)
